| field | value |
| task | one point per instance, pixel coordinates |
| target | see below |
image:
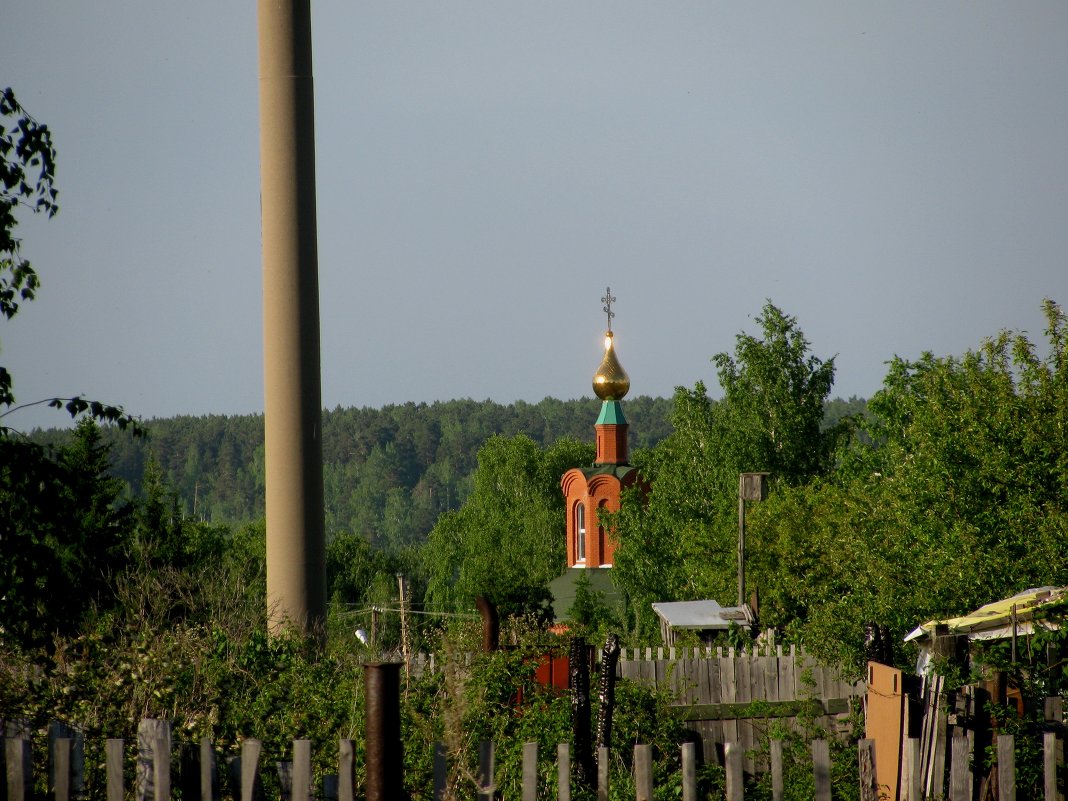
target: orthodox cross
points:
(608, 300)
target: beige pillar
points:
(296, 571)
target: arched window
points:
(601, 545)
(580, 532)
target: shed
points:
(706, 618)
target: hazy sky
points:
(895, 175)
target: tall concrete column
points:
(296, 563)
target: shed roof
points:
(701, 615)
(993, 621)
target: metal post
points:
(384, 757)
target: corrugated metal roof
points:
(994, 620)
(701, 614)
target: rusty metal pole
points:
(382, 732)
(296, 550)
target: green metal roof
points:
(611, 414)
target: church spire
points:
(610, 384)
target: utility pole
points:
(405, 644)
(296, 547)
(751, 487)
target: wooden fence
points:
(197, 777)
(732, 697)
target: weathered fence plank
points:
(643, 773)
(869, 784)
(116, 789)
(302, 775)
(689, 772)
(441, 771)
(775, 757)
(60, 768)
(487, 787)
(346, 770)
(960, 774)
(1006, 768)
(1049, 765)
(563, 772)
(821, 769)
(732, 757)
(251, 788)
(603, 764)
(530, 771)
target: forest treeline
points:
(388, 473)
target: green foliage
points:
(507, 541)
(679, 544)
(64, 533)
(958, 497)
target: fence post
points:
(249, 765)
(530, 771)
(153, 750)
(869, 784)
(563, 771)
(1049, 766)
(960, 775)
(382, 732)
(1006, 768)
(689, 772)
(346, 773)
(60, 768)
(209, 777)
(19, 769)
(821, 769)
(302, 783)
(161, 764)
(75, 777)
(732, 756)
(602, 773)
(643, 773)
(777, 789)
(915, 774)
(486, 784)
(113, 762)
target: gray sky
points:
(895, 175)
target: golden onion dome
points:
(610, 382)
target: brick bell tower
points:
(588, 491)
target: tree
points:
(957, 496)
(507, 541)
(680, 544)
(65, 533)
(27, 177)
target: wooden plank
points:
(530, 771)
(787, 678)
(1049, 766)
(1006, 768)
(960, 774)
(914, 768)
(563, 772)
(346, 769)
(775, 757)
(643, 773)
(821, 770)
(487, 787)
(732, 756)
(251, 788)
(689, 772)
(161, 766)
(209, 775)
(19, 757)
(302, 773)
(61, 748)
(869, 784)
(728, 689)
(939, 744)
(603, 764)
(113, 760)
